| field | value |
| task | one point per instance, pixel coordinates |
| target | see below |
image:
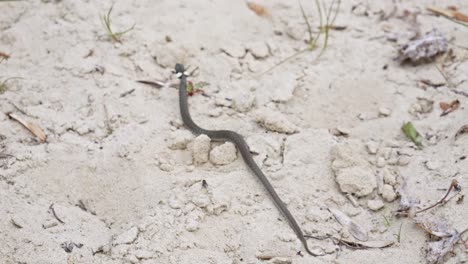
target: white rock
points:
(275, 121)
(403, 160)
(223, 154)
(390, 177)
(388, 193)
(259, 49)
(375, 205)
(144, 254)
(372, 147)
(179, 139)
(201, 149)
(215, 112)
(127, 237)
(165, 163)
(175, 203)
(223, 102)
(383, 111)
(432, 165)
(201, 200)
(294, 31)
(243, 101)
(347, 154)
(234, 49)
(358, 180)
(380, 162)
(281, 87)
(192, 225)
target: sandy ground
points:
(117, 169)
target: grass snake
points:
(238, 140)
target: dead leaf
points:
(462, 130)
(367, 244)
(4, 56)
(447, 108)
(258, 9)
(449, 13)
(436, 228)
(437, 250)
(33, 128)
(354, 229)
(424, 49)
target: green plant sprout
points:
(398, 236)
(115, 36)
(315, 36)
(3, 86)
(388, 221)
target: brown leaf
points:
(436, 228)
(444, 106)
(258, 9)
(462, 130)
(5, 56)
(450, 13)
(33, 128)
(449, 107)
(437, 250)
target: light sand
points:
(118, 165)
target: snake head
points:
(179, 70)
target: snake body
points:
(238, 140)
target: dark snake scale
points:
(238, 140)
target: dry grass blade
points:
(453, 186)
(107, 23)
(33, 128)
(461, 131)
(452, 15)
(324, 27)
(357, 231)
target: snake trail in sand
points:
(238, 140)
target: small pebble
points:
(380, 162)
(223, 154)
(275, 121)
(432, 165)
(223, 102)
(389, 177)
(179, 139)
(388, 193)
(384, 111)
(243, 101)
(372, 147)
(192, 225)
(201, 149)
(127, 237)
(403, 160)
(375, 205)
